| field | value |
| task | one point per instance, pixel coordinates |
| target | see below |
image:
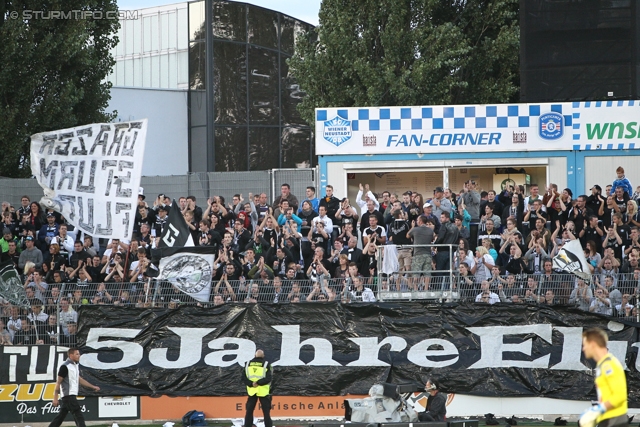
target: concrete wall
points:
(167, 146)
(602, 170)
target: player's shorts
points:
(619, 421)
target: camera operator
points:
(436, 409)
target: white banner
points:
(91, 174)
(601, 125)
(572, 260)
(118, 407)
(189, 272)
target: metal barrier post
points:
(58, 329)
(380, 254)
(155, 294)
(450, 272)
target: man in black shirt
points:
(448, 234)
(331, 203)
(79, 254)
(620, 198)
(398, 236)
(579, 213)
(595, 200)
(591, 231)
(436, 408)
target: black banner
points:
(41, 411)
(333, 349)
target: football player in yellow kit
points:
(611, 383)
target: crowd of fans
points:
(486, 246)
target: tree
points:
(54, 63)
(409, 52)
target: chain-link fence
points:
(202, 185)
(53, 315)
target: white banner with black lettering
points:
(190, 270)
(91, 174)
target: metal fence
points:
(202, 185)
(609, 295)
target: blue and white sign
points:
(551, 126)
(337, 131)
(601, 125)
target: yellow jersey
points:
(611, 385)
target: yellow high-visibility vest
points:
(256, 371)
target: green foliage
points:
(409, 52)
(52, 73)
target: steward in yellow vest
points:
(257, 377)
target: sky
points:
(305, 10)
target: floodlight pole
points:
(209, 89)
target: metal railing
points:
(615, 295)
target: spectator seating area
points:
(467, 245)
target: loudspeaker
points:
(463, 423)
(579, 51)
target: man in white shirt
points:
(369, 196)
(600, 304)
(359, 292)
(534, 195)
(327, 224)
(376, 231)
(64, 240)
(67, 314)
(37, 313)
(486, 295)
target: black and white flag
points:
(190, 270)
(91, 175)
(572, 260)
(11, 288)
(176, 234)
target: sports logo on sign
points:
(551, 126)
(190, 273)
(337, 131)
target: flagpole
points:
(146, 293)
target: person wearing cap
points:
(48, 231)
(595, 199)
(141, 197)
(439, 203)
(161, 219)
(427, 211)
(30, 253)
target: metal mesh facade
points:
(199, 184)
(257, 125)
